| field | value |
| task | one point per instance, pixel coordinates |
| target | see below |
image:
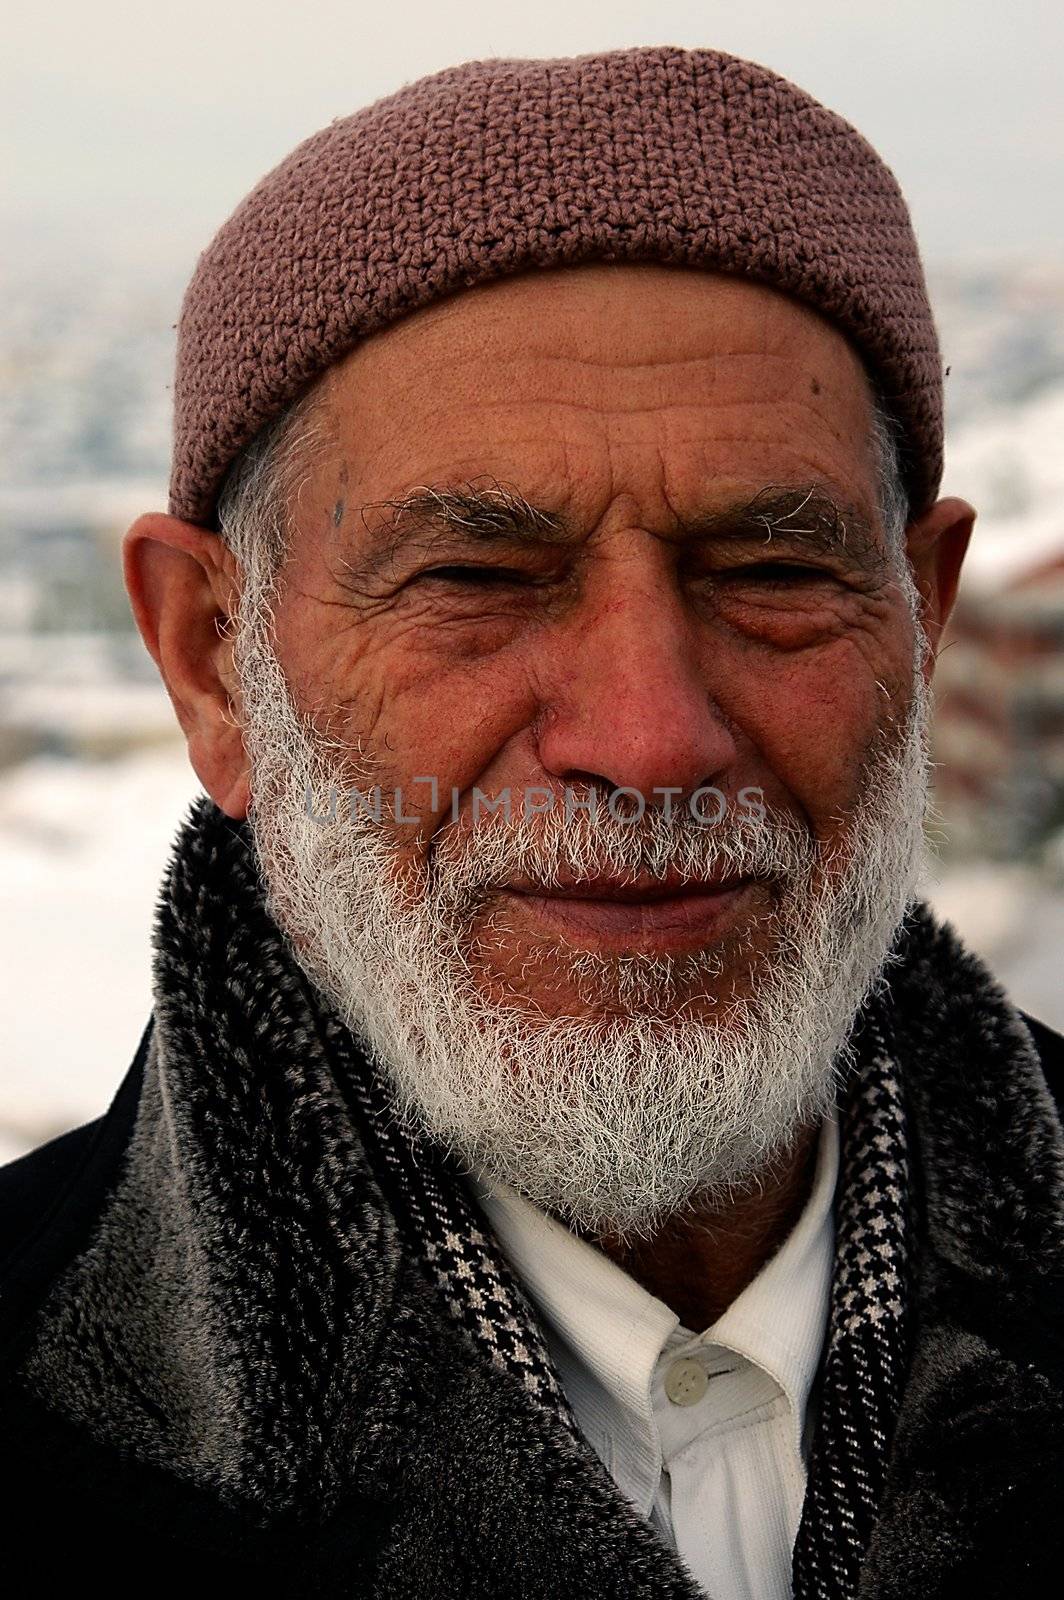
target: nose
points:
(630, 707)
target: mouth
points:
(661, 915)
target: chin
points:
(578, 987)
(568, 977)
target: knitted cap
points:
(689, 157)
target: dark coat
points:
(391, 1458)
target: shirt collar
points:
(779, 1321)
(618, 1330)
(600, 1311)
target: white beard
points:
(625, 1116)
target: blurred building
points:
(75, 678)
(999, 724)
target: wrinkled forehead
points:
(616, 316)
(550, 377)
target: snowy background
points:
(93, 779)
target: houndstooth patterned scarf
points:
(866, 1351)
(867, 1346)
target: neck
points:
(702, 1259)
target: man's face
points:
(597, 531)
(681, 612)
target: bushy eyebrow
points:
(483, 510)
(809, 518)
(487, 511)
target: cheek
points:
(436, 731)
(809, 720)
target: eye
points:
(779, 574)
(478, 577)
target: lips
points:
(652, 914)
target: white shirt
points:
(720, 1469)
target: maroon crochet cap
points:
(682, 156)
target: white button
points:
(686, 1382)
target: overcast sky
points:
(148, 121)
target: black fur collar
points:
(250, 1316)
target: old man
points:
(565, 1156)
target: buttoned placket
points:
(615, 1346)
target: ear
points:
(936, 544)
(183, 585)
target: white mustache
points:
(470, 862)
